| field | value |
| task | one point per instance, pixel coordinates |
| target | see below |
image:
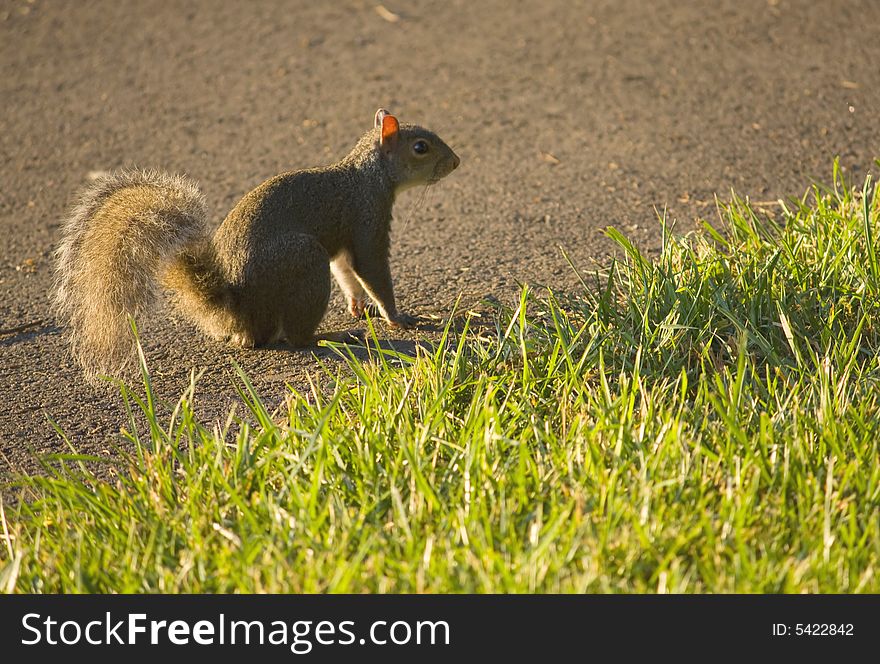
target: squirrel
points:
(264, 275)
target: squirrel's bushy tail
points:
(125, 229)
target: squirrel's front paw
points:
(357, 306)
(404, 321)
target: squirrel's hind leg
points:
(308, 294)
(284, 295)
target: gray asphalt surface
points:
(568, 116)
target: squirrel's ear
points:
(381, 113)
(390, 128)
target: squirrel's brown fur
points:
(265, 274)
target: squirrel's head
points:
(413, 155)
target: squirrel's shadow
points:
(363, 351)
(367, 352)
(362, 345)
(366, 345)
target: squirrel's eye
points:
(420, 147)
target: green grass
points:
(706, 421)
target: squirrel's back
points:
(309, 202)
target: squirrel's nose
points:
(455, 161)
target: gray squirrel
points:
(264, 275)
